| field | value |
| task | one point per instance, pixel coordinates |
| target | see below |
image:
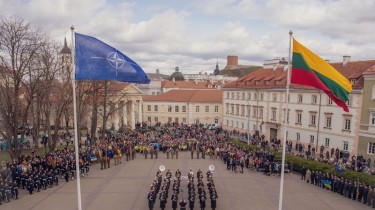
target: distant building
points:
(275, 63)
(184, 106)
(256, 102)
(366, 144)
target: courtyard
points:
(125, 187)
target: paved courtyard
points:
(125, 187)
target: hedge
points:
(299, 162)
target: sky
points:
(196, 34)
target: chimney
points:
(173, 79)
(177, 69)
(345, 59)
(157, 71)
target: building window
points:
(299, 118)
(372, 119)
(330, 101)
(242, 110)
(347, 124)
(249, 96)
(261, 112)
(300, 98)
(149, 108)
(371, 148)
(298, 136)
(243, 95)
(232, 109)
(216, 121)
(274, 97)
(176, 120)
(148, 119)
(176, 108)
(169, 108)
(228, 122)
(261, 96)
(236, 124)
(197, 121)
(237, 109)
(232, 95)
(349, 102)
(227, 94)
(273, 115)
(327, 142)
(242, 125)
(345, 145)
(183, 108)
(314, 99)
(312, 119)
(287, 117)
(169, 119)
(156, 119)
(329, 121)
(207, 109)
(183, 120)
(232, 123)
(196, 108)
(373, 92)
(312, 137)
(255, 96)
(255, 109)
(277, 82)
(216, 108)
(156, 108)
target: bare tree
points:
(19, 45)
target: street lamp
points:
(248, 120)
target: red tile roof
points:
(276, 78)
(370, 71)
(198, 96)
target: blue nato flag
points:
(96, 60)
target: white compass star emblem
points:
(115, 60)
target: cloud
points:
(194, 35)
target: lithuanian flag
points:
(311, 70)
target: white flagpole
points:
(285, 125)
(76, 140)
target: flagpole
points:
(75, 122)
(285, 125)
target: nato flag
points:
(96, 60)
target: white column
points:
(125, 113)
(140, 111)
(132, 120)
(117, 118)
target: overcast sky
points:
(195, 34)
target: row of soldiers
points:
(201, 190)
(348, 188)
(8, 190)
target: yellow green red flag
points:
(311, 70)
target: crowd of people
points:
(351, 189)
(34, 173)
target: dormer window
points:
(277, 82)
(267, 82)
(256, 82)
(353, 81)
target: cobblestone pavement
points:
(125, 186)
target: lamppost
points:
(248, 121)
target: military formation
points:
(162, 186)
(348, 188)
(39, 173)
